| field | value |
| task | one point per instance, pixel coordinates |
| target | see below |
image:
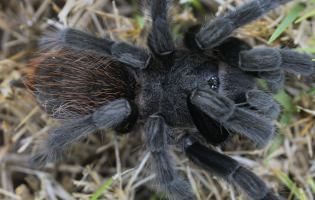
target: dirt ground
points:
(113, 167)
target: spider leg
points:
(264, 103)
(270, 64)
(215, 134)
(275, 79)
(168, 180)
(209, 128)
(266, 59)
(160, 40)
(228, 169)
(215, 32)
(119, 115)
(237, 119)
(70, 38)
(266, 63)
(238, 53)
(230, 49)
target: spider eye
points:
(213, 82)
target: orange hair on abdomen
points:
(69, 83)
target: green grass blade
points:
(311, 91)
(275, 145)
(302, 194)
(306, 16)
(140, 21)
(288, 20)
(289, 108)
(195, 3)
(285, 100)
(311, 182)
(306, 50)
(102, 189)
(285, 179)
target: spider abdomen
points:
(68, 84)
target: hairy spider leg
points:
(265, 62)
(167, 179)
(160, 40)
(229, 50)
(228, 169)
(271, 63)
(120, 115)
(210, 129)
(264, 104)
(133, 56)
(218, 30)
(72, 38)
(237, 119)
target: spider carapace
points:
(192, 97)
(165, 91)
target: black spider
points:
(185, 97)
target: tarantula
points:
(191, 97)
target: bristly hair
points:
(147, 11)
(69, 83)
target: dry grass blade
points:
(114, 167)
